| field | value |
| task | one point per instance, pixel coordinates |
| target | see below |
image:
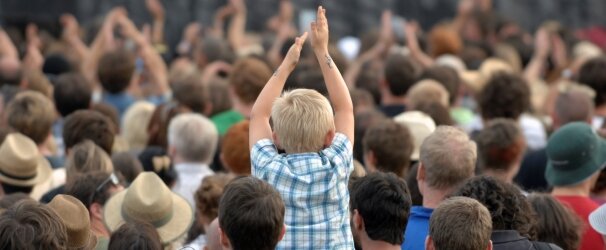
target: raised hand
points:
(294, 53)
(319, 32)
(155, 8)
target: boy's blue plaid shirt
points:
(314, 189)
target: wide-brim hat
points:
(148, 199)
(420, 125)
(597, 220)
(575, 152)
(74, 215)
(20, 162)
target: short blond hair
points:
(427, 91)
(301, 120)
(135, 123)
(32, 114)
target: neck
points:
(98, 228)
(600, 110)
(389, 99)
(578, 190)
(44, 150)
(504, 176)
(433, 197)
(244, 109)
(369, 244)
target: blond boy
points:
(312, 176)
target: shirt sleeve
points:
(340, 152)
(261, 155)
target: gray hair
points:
(193, 136)
(448, 156)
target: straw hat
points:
(74, 215)
(420, 125)
(149, 199)
(20, 163)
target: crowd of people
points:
(473, 135)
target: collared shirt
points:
(314, 189)
(417, 228)
(189, 178)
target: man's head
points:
(448, 158)
(72, 92)
(248, 79)
(135, 235)
(208, 196)
(448, 77)
(459, 223)
(572, 105)
(116, 68)
(31, 114)
(593, 75)
(192, 138)
(380, 205)
(211, 49)
(86, 157)
(400, 74)
(235, 153)
(251, 215)
(302, 121)
(193, 94)
(387, 148)
(87, 124)
(427, 91)
(501, 146)
(31, 225)
(508, 207)
(505, 95)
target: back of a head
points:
(400, 74)
(213, 49)
(301, 120)
(83, 187)
(251, 214)
(116, 68)
(72, 92)
(248, 79)
(135, 122)
(448, 77)
(501, 145)
(593, 75)
(156, 159)
(448, 157)
(87, 157)
(383, 202)
(192, 93)
(127, 166)
(439, 113)
(427, 91)
(556, 223)
(91, 125)
(193, 136)
(135, 235)
(31, 114)
(460, 223)
(573, 106)
(209, 194)
(444, 40)
(391, 145)
(505, 95)
(508, 207)
(31, 225)
(234, 149)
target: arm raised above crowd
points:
(337, 89)
(102, 43)
(261, 111)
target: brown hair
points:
(192, 93)
(400, 74)
(234, 149)
(460, 223)
(116, 68)
(135, 235)
(556, 223)
(500, 145)
(593, 75)
(31, 114)
(391, 144)
(88, 124)
(446, 76)
(220, 97)
(72, 92)
(110, 112)
(506, 95)
(437, 111)
(87, 157)
(248, 78)
(209, 194)
(37, 81)
(31, 225)
(158, 123)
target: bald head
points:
(213, 241)
(572, 106)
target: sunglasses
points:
(113, 179)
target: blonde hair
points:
(427, 91)
(135, 123)
(301, 120)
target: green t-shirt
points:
(224, 120)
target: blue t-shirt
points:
(417, 228)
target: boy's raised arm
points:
(337, 89)
(261, 111)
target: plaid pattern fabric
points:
(314, 189)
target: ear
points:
(489, 245)
(429, 243)
(276, 140)
(358, 220)
(224, 240)
(96, 211)
(370, 160)
(329, 137)
(282, 233)
(421, 172)
(208, 109)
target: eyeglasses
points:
(113, 179)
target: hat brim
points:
(92, 241)
(44, 171)
(557, 177)
(177, 226)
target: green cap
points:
(575, 152)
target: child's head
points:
(302, 121)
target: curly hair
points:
(209, 194)
(509, 208)
(505, 95)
